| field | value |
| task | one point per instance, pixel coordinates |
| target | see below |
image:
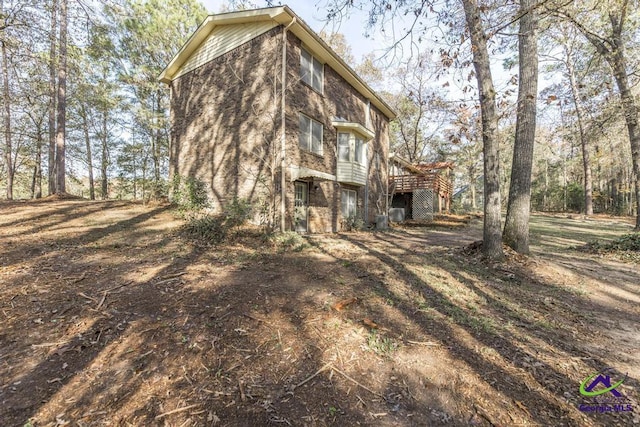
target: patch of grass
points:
(628, 242)
(544, 324)
(625, 247)
(288, 241)
(382, 346)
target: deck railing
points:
(410, 183)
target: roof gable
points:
(221, 33)
(222, 39)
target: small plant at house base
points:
(237, 212)
(353, 223)
(206, 228)
(189, 194)
(214, 229)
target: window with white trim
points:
(349, 203)
(351, 148)
(311, 70)
(359, 151)
(310, 137)
(344, 152)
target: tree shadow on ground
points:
(528, 378)
(133, 342)
(163, 331)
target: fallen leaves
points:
(369, 323)
(339, 306)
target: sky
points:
(354, 27)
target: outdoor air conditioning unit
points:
(396, 214)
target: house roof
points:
(393, 157)
(282, 15)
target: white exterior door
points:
(301, 207)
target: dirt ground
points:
(110, 316)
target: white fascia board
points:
(354, 127)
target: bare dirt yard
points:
(110, 315)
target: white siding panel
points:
(351, 173)
(223, 39)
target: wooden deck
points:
(431, 181)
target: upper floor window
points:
(311, 70)
(344, 149)
(310, 137)
(359, 151)
(351, 148)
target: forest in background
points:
(80, 95)
(115, 134)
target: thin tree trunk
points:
(62, 103)
(545, 195)
(156, 147)
(52, 99)
(7, 114)
(564, 188)
(36, 182)
(7, 117)
(516, 229)
(584, 142)
(474, 203)
(492, 233)
(36, 187)
(104, 161)
(87, 140)
(135, 178)
(629, 192)
(145, 163)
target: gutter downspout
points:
(367, 123)
(387, 171)
(283, 137)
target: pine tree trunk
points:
(104, 160)
(52, 99)
(156, 148)
(135, 179)
(492, 232)
(474, 203)
(87, 140)
(584, 142)
(545, 196)
(516, 229)
(7, 118)
(62, 103)
(7, 114)
(36, 182)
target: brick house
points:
(263, 110)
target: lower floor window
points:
(349, 203)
